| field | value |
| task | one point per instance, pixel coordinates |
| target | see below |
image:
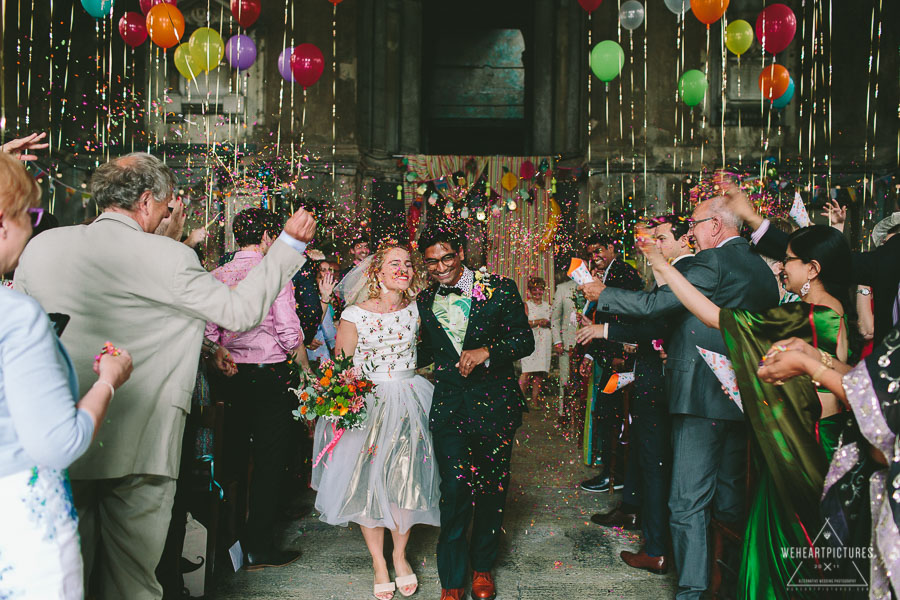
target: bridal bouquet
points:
(335, 391)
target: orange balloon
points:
(708, 11)
(774, 81)
(165, 24)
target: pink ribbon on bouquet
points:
(328, 449)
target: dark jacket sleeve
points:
(869, 266)
(641, 332)
(424, 348)
(309, 308)
(773, 243)
(515, 340)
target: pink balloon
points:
(590, 5)
(133, 29)
(780, 26)
(307, 64)
(146, 5)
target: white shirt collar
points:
(608, 267)
(723, 242)
(677, 258)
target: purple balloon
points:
(284, 64)
(240, 52)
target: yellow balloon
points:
(185, 62)
(207, 48)
(739, 36)
(552, 224)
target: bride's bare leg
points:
(401, 566)
(374, 537)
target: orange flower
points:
(304, 396)
(320, 401)
(344, 410)
(325, 382)
(303, 409)
(352, 389)
(328, 373)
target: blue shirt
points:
(39, 424)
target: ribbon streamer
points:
(329, 448)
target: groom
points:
(473, 328)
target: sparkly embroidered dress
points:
(383, 475)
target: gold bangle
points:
(818, 373)
(826, 359)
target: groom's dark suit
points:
(473, 421)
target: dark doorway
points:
(475, 74)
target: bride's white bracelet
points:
(112, 390)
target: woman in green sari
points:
(795, 426)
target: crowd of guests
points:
(816, 424)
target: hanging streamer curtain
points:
(513, 237)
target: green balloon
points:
(607, 59)
(207, 48)
(692, 87)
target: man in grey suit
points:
(708, 435)
(117, 281)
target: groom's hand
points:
(469, 359)
(301, 226)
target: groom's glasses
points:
(448, 260)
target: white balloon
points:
(679, 7)
(631, 15)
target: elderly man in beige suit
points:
(148, 293)
(563, 325)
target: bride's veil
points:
(353, 288)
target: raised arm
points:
(516, 340)
(692, 298)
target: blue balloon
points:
(784, 99)
(98, 8)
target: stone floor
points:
(551, 548)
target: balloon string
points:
(590, 213)
(646, 11)
(703, 117)
(333, 107)
(621, 119)
(293, 87)
(724, 26)
(281, 90)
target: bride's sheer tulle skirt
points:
(385, 474)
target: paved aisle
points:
(551, 550)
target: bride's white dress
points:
(385, 474)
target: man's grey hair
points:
(718, 207)
(120, 183)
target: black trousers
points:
(474, 470)
(258, 422)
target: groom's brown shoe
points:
(642, 560)
(454, 594)
(483, 586)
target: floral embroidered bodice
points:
(386, 342)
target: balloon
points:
(780, 25)
(552, 224)
(284, 64)
(708, 11)
(165, 24)
(738, 36)
(335, 2)
(590, 5)
(692, 87)
(186, 63)
(246, 12)
(679, 7)
(307, 64)
(607, 59)
(146, 5)
(207, 47)
(774, 81)
(133, 29)
(97, 8)
(631, 15)
(240, 52)
(786, 97)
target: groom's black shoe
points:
(617, 518)
(254, 561)
(600, 483)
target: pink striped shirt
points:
(279, 332)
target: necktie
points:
(446, 291)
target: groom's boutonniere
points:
(480, 289)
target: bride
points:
(384, 475)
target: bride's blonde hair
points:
(378, 263)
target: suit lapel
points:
(474, 308)
(430, 320)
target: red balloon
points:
(780, 26)
(335, 2)
(133, 29)
(307, 64)
(146, 5)
(590, 5)
(246, 11)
